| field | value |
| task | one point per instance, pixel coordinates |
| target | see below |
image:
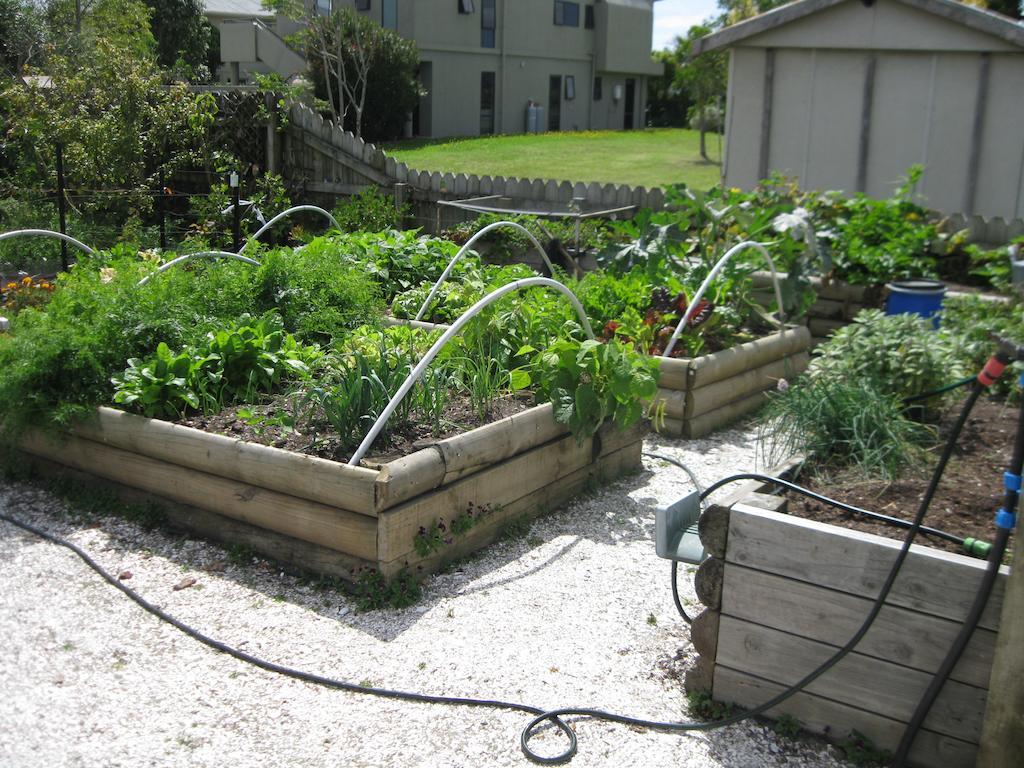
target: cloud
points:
(675, 17)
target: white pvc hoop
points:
(711, 276)
(447, 336)
(466, 247)
(48, 233)
(282, 215)
(199, 255)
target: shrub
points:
(896, 355)
(318, 298)
(370, 211)
(968, 324)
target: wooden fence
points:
(326, 162)
(783, 594)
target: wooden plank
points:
(763, 378)
(337, 529)
(835, 720)
(295, 474)
(486, 445)
(729, 362)
(291, 554)
(528, 506)
(498, 484)
(1003, 735)
(674, 373)
(701, 676)
(409, 476)
(900, 635)
(824, 328)
(669, 426)
(673, 402)
(708, 582)
(861, 681)
(931, 580)
(713, 528)
(704, 632)
(706, 423)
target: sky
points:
(674, 17)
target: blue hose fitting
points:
(1006, 519)
(1011, 481)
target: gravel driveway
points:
(577, 612)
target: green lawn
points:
(654, 157)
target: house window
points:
(389, 14)
(567, 14)
(486, 103)
(362, 5)
(588, 16)
(466, 6)
(570, 87)
(488, 23)
(597, 89)
(323, 7)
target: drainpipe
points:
(590, 102)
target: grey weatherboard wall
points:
(846, 95)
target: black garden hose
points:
(1005, 520)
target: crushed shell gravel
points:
(576, 612)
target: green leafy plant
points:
(969, 324)
(706, 708)
(787, 726)
(370, 211)
(898, 355)
(588, 382)
(374, 591)
(437, 535)
(860, 750)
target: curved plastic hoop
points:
(282, 215)
(447, 336)
(463, 249)
(200, 254)
(712, 275)
(48, 233)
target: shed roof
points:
(247, 9)
(994, 24)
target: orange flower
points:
(11, 287)
(26, 281)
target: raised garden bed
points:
(336, 519)
(836, 302)
(783, 593)
(701, 394)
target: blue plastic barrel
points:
(917, 296)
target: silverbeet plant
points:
(589, 382)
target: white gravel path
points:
(578, 612)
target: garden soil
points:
(967, 498)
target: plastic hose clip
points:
(1006, 519)
(1011, 481)
(993, 370)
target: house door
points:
(421, 116)
(630, 105)
(555, 103)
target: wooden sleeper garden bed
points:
(783, 594)
(336, 519)
(701, 394)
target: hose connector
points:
(1006, 520)
(1011, 481)
(977, 548)
(993, 370)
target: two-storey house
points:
(500, 66)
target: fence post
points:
(62, 206)
(236, 211)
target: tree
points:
(22, 34)
(182, 35)
(366, 74)
(704, 78)
(666, 103)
